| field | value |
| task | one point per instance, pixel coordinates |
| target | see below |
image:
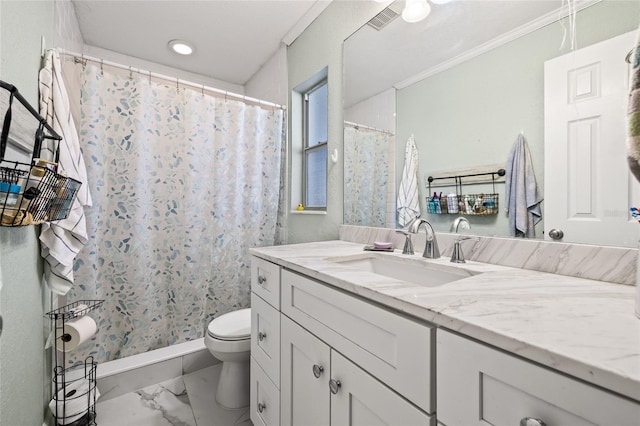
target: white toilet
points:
(229, 339)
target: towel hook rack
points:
(470, 204)
(499, 172)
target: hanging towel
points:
(522, 198)
(62, 240)
(633, 114)
(408, 204)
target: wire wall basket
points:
(30, 192)
(30, 195)
(466, 204)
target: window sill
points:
(311, 212)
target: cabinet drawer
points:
(265, 280)
(265, 398)
(395, 349)
(481, 385)
(265, 337)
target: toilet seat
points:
(231, 326)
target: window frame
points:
(306, 149)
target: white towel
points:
(408, 203)
(522, 198)
(62, 240)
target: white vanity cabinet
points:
(322, 387)
(380, 359)
(265, 343)
(342, 360)
(480, 385)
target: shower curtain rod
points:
(362, 126)
(81, 58)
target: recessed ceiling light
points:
(415, 10)
(181, 47)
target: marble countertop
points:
(584, 328)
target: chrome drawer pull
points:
(262, 336)
(318, 370)
(531, 421)
(334, 386)
(262, 279)
(261, 407)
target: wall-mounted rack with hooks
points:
(466, 204)
(30, 192)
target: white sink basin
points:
(416, 271)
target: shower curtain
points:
(183, 185)
(366, 175)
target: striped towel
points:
(62, 240)
(408, 204)
(633, 115)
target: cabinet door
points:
(362, 400)
(305, 362)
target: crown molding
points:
(503, 39)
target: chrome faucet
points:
(431, 250)
(458, 221)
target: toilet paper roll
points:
(81, 307)
(73, 401)
(76, 332)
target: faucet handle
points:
(458, 256)
(408, 244)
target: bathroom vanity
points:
(343, 336)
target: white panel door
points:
(304, 381)
(588, 187)
(361, 400)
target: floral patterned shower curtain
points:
(183, 185)
(366, 175)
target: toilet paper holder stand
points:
(74, 388)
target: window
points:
(309, 116)
(314, 166)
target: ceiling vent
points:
(383, 18)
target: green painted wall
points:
(471, 114)
(321, 46)
(24, 375)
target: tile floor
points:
(183, 401)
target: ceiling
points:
(377, 60)
(232, 38)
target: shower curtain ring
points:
(101, 66)
(130, 73)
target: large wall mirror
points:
(466, 83)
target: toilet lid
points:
(234, 325)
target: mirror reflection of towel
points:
(522, 198)
(633, 114)
(408, 204)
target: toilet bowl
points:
(228, 339)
